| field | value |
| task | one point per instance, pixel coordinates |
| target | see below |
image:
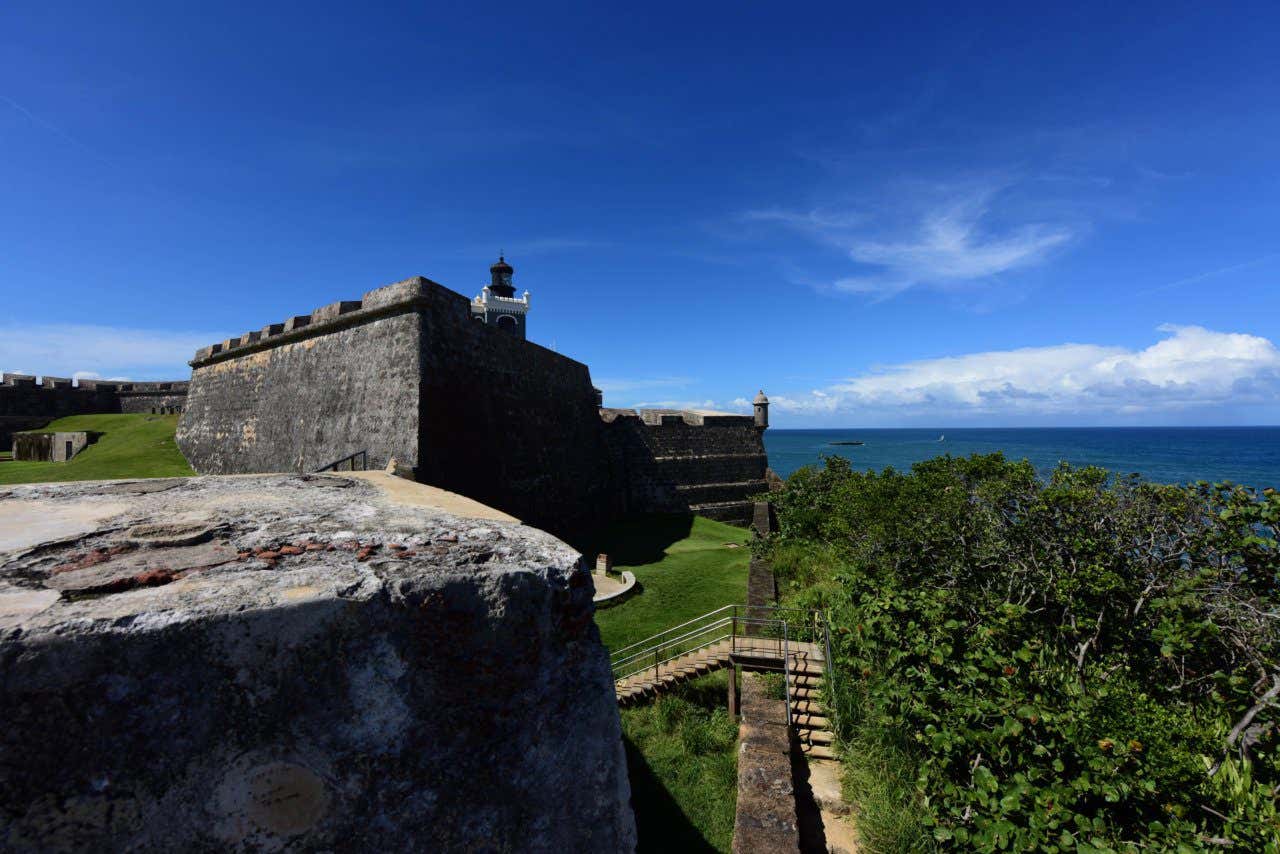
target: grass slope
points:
(131, 446)
(681, 749)
(684, 570)
(682, 759)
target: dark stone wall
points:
(406, 372)
(307, 402)
(685, 462)
(510, 423)
(33, 446)
(27, 402)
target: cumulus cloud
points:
(1190, 367)
(88, 351)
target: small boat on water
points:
(942, 438)
(846, 443)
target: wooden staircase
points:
(759, 638)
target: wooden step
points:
(817, 736)
(810, 721)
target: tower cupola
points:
(500, 275)
(497, 303)
(761, 410)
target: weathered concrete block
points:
(298, 663)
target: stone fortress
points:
(451, 393)
(27, 402)
(289, 660)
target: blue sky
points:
(935, 214)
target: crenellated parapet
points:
(415, 294)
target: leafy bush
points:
(1084, 663)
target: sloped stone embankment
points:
(302, 663)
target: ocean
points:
(1246, 455)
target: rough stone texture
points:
(49, 447)
(300, 663)
(407, 373)
(308, 402)
(663, 461)
(27, 402)
(765, 822)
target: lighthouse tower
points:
(497, 304)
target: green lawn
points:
(684, 570)
(682, 761)
(131, 446)
(682, 748)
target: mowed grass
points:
(131, 446)
(684, 570)
(682, 761)
(682, 747)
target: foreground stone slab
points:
(299, 663)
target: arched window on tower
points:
(507, 322)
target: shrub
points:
(1087, 661)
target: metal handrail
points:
(617, 661)
(351, 459)
(786, 673)
(618, 652)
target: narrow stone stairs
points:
(808, 716)
(814, 734)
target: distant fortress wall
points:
(28, 402)
(708, 463)
(407, 373)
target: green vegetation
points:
(682, 757)
(1084, 664)
(681, 748)
(683, 568)
(131, 446)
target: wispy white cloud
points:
(621, 385)
(1189, 368)
(945, 238)
(1200, 277)
(101, 351)
(705, 405)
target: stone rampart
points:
(405, 373)
(667, 461)
(301, 663)
(28, 402)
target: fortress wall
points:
(510, 423)
(315, 395)
(27, 402)
(677, 462)
(153, 397)
(406, 372)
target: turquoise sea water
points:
(1247, 455)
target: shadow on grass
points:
(639, 540)
(660, 823)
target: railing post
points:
(656, 653)
(733, 635)
(786, 673)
